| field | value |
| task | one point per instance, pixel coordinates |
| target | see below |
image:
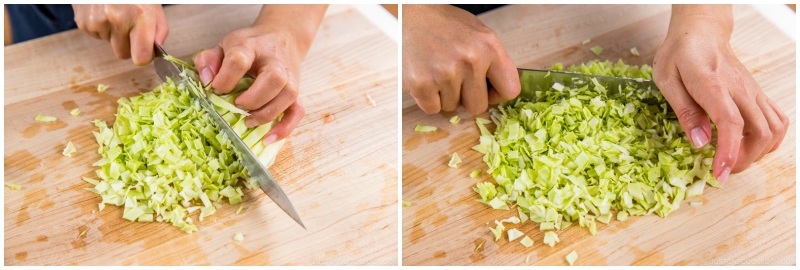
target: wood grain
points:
(750, 221)
(339, 167)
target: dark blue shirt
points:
(34, 21)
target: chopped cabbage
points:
(580, 154)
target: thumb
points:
(691, 116)
(208, 63)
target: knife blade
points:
(532, 80)
(164, 69)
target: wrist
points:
(297, 24)
(705, 20)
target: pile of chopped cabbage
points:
(580, 155)
(164, 159)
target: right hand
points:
(448, 54)
(132, 29)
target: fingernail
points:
(250, 123)
(269, 139)
(724, 175)
(699, 138)
(206, 76)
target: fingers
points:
(450, 92)
(208, 63)
(235, 64)
(271, 111)
(142, 36)
(776, 127)
(757, 134)
(120, 42)
(724, 112)
(784, 120)
(92, 20)
(424, 91)
(503, 76)
(691, 116)
(291, 118)
(474, 95)
(270, 81)
(162, 29)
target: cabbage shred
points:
(578, 155)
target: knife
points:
(164, 69)
(532, 80)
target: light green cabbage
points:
(578, 155)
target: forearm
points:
(709, 19)
(299, 22)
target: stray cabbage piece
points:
(455, 120)
(69, 150)
(83, 233)
(406, 203)
(513, 234)
(238, 237)
(45, 118)
(13, 186)
(527, 241)
(695, 204)
(498, 231)
(512, 220)
(586, 41)
(480, 245)
(454, 161)
(370, 100)
(102, 87)
(581, 154)
(75, 112)
(164, 159)
(634, 51)
(421, 128)
(572, 257)
(475, 173)
(550, 238)
(596, 50)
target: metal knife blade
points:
(532, 80)
(164, 69)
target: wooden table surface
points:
(339, 167)
(750, 221)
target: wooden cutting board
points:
(750, 221)
(339, 167)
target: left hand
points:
(271, 52)
(697, 72)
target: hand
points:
(271, 50)
(697, 72)
(448, 54)
(130, 28)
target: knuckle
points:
(277, 76)
(715, 88)
(446, 72)
(263, 115)
(733, 120)
(239, 59)
(762, 133)
(686, 114)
